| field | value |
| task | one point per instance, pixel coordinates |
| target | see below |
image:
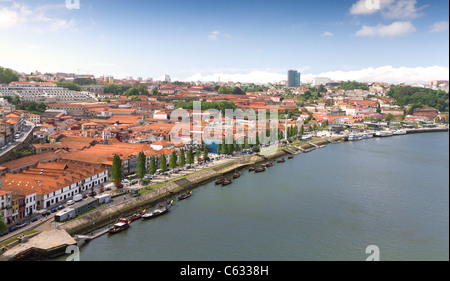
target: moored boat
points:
(135, 216)
(219, 181)
(226, 182)
(291, 157)
(118, 227)
(399, 133)
(281, 160)
(155, 213)
(252, 168)
(236, 175)
(384, 134)
(260, 170)
(185, 196)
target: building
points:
(43, 92)
(49, 184)
(293, 79)
(320, 81)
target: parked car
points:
(53, 210)
(70, 202)
(46, 213)
(34, 219)
(21, 225)
(60, 207)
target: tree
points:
(7, 76)
(173, 160)
(116, 169)
(197, 154)
(3, 225)
(219, 148)
(190, 156)
(182, 160)
(389, 118)
(205, 152)
(152, 167)
(163, 163)
(140, 168)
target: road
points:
(27, 129)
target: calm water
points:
(329, 204)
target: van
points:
(78, 198)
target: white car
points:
(70, 202)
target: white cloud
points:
(327, 34)
(20, 16)
(214, 35)
(440, 26)
(398, 28)
(387, 74)
(390, 9)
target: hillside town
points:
(64, 141)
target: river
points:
(329, 204)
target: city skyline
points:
(254, 41)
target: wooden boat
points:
(185, 196)
(281, 160)
(270, 164)
(118, 227)
(136, 216)
(155, 213)
(219, 181)
(260, 170)
(236, 175)
(251, 169)
(291, 157)
(167, 204)
(226, 182)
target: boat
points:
(118, 227)
(291, 157)
(281, 160)
(260, 170)
(226, 182)
(252, 168)
(219, 181)
(185, 196)
(166, 205)
(354, 137)
(135, 216)
(384, 134)
(236, 175)
(367, 136)
(155, 213)
(399, 133)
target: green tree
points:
(173, 160)
(219, 148)
(182, 160)
(140, 168)
(190, 156)
(152, 167)
(3, 225)
(205, 152)
(116, 170)
(163, 163)
(7, 76)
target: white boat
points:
(399, 133)
(367, 136)
(384, 134)
(355, 137)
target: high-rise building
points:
(167, 78)
(293, 78)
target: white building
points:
(42, 92)
(320, 81)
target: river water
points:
(330, 204)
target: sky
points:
(242, 41)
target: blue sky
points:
(246, 40)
